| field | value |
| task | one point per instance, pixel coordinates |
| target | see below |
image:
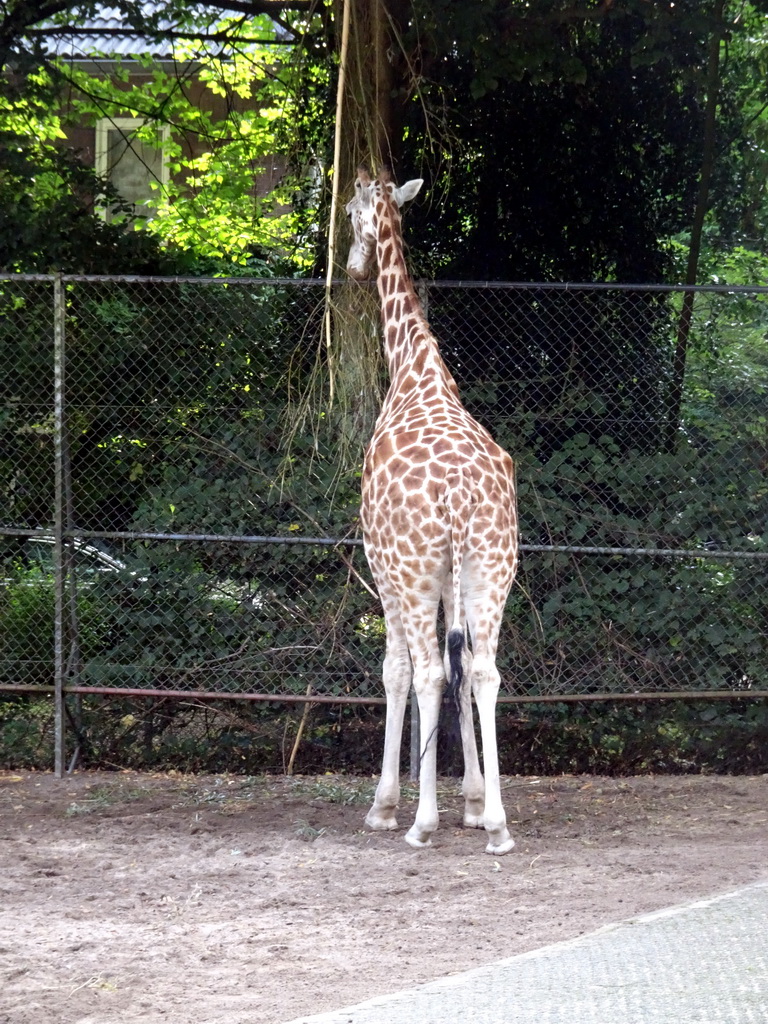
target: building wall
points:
(82, 139)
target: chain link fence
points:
(170, 525)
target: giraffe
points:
(439, 520)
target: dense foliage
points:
(560, 143)
(178, 429)
(221, 115)
(228, 736)
(576, 172)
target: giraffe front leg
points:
(397, 682)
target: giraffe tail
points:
(455, 644)
(450, 712)
(460, 505)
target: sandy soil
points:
(221, 900)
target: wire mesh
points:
(211, 540)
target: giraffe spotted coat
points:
(439, 523)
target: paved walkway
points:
(703, 963)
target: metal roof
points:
(107, 35)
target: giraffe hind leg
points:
(473, 784)
(396, 672)
(428, 682)
(485, 686)
(484, 608)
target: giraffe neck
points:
(406, 332)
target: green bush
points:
(236, 736)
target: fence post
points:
(59, 515)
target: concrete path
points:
(703, 963)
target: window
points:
(130, 163)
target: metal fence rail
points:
(164, 532)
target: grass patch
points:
(347, 792)
(222, 792)
(308, 832)
(102, 798)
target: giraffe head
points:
(371, 199)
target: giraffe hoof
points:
(418, 837)
(473, 821)
(416, 843)
(500, 848)
(380, 822)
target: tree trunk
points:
(697, 227)
(377, 86)
(371, 127)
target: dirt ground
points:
(223, 900)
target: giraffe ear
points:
(407, 191)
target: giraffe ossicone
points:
(439, 520)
